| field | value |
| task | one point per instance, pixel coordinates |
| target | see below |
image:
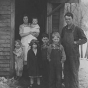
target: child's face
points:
(17, 45)
(56, 39)
(34, 21)
(45, 40)
(34, 46)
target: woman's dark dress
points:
(33, 63)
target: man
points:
(71, 37)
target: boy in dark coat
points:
(45, 61)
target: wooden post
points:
(61, 21)
(12, 62)
(49, 19)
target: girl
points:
(18, 52)
(33, 62)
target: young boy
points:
(56, 57)
(44, 48)
(18, 52)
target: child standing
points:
(33, 62)
(18, 52)
(57, 56)
(45, 61)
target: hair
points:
(25, 15)
(35, 18)
(18, 42)
(55, 34)
(34, 42)
(45, 35)
(69, 14)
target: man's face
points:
(68, 20)
(45, 40)
(25, 19)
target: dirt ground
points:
(83, 73)
(24, 83)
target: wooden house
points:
(51, 18)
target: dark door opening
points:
(34, 8)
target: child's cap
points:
(45, 35)
(55, 34)
(34, 41)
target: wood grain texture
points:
(5, 57)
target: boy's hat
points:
(34, 41)
(45, 35)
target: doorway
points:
(33, 8)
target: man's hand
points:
(75, 42)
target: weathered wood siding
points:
(55, 18)
(5, 38)
(54, 21)
(61, 1)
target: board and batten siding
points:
(6, 37)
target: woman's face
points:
(25, 19)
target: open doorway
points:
(33, 8)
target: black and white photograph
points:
(43, 43)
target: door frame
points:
(12, 60)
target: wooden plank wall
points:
(61, 1)
(55, 18)
(5, 37)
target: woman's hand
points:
(35, 34)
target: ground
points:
(24, 83)
(83, 73)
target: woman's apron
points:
(72, 59)
(26, 40)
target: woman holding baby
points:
(28, 32)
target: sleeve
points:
(28, 58)
(19, 54)
(63, 53)
(49, 52)
(81, 36)
(20, 29)
(37, 28)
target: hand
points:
(63, 60)
(75, 42)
